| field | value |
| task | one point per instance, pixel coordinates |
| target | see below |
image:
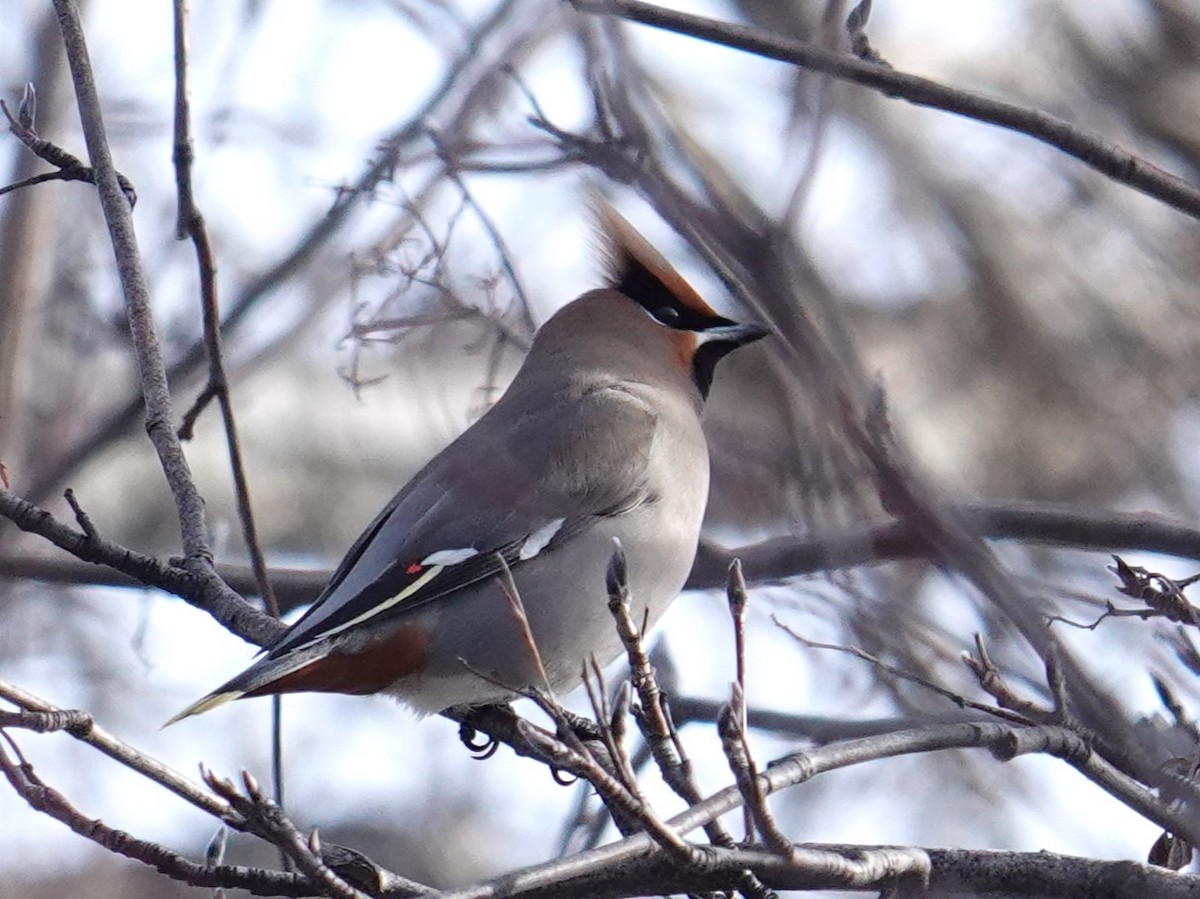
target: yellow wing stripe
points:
(382, 607)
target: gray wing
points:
(507, 488)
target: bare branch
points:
(589, 868)
(207, 593)
(1090, 148)
(70, 168)
(653, 713)
(155, 390)
(82, 727)
(267, 819)
(731, 727)
(1005, 713)
(773, 559)
(40, 797)
(1032, 522)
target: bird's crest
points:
(639, 271)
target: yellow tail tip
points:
(206, 704)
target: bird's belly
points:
(566, 601)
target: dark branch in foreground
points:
(639, 864)
(40, 797)
(632, 866)
(156, 393)
(951, 873)
(656, 859)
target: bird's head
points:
(665, 310)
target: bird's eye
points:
(668, 315)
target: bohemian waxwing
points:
(597, 437)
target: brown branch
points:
(992, 682)
(737, 599)
(611, 723)
(570, 752)
(1090, 148)
(732, 730)
(653, 714)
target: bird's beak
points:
(734, 334)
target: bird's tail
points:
(211, 701)
(257, 680)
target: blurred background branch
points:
(1032, 323)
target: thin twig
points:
(731, 727)
(69, 167)
(571, 753)
(1004, 713)
(489, 226)
(611, 722)
(735, 593)
(38, 179)
(653, 716)
(320, 233)
(190, 224)
(567, 751)
(991, 681)
(90, 531)
(268, 820)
